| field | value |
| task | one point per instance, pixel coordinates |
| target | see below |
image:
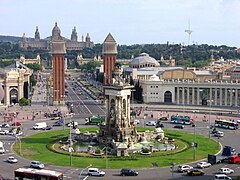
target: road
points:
(85, 106)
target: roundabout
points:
(45, 147)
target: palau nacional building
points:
(46, 44)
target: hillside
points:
(12, 39)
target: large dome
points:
(144, 60)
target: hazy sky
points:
(213, 22)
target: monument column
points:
(198, 97)
(220, 96)
(225, 98)
(109, 52)
(215, 96)
(178, 94)
(58, 53)
(231, 96)
(236, 97)
(193, 95)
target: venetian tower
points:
(109, 52)
(118, 133)
(58, 60)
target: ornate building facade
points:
(46, 44)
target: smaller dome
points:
(56, 30)
(154, 78)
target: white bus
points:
(228, 124)
(38, 174)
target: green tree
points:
(23, 101)
(35, 67)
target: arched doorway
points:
(13, 96)
(168, 97)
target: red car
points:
(16, 123)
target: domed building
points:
(45, 44)
(144, 60)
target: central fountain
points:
(118, 134)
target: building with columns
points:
(15, 81)
(191, 92)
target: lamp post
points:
(70, 140)
(90, 165)
(172, 167)
(194, 143)
(210, 112)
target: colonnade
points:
(216, 96)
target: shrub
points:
(23, 101)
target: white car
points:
(12, 159)
(151, 123)
(203, 165)
(95, 172)
(226, 170)
(4, 132)
(37, 164)
(184, 168)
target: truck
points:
(41, 125)
(227, 153)
(94, 120)
(2, 150)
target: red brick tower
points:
(109, 52)
(58, 53)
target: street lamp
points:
(194, 143)
(210, 112)
(172, 167)
(90, 165)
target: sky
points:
(213, 22)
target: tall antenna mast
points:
(189, 31)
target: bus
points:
(181, 119)
(226, 124)
(37, 174)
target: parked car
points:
(226, 170)
(36, 164)
(95, 172)
(184, 168)
(4, 132)
(214, 130)
(195, 172)
(12, 159)
(151, 123)
(17, 123)
(128, 172)
(5, 125)
(222, 177)
(179, 126)
(203, 164)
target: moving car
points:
(55, 118)
(226, 170)
(5, 125)
(12, 159)
(16, 124)
(49, 127)
(221, 176)
(36, 164)
(73, 123)
(195, 172)
(4, 132)
(128, 172)
(163, 119)
(203, 164)
(58, 123)
(184, 168)
(151, 123)
(219, 134)
(179, 126)
(95, 172)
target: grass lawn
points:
(34, 147)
